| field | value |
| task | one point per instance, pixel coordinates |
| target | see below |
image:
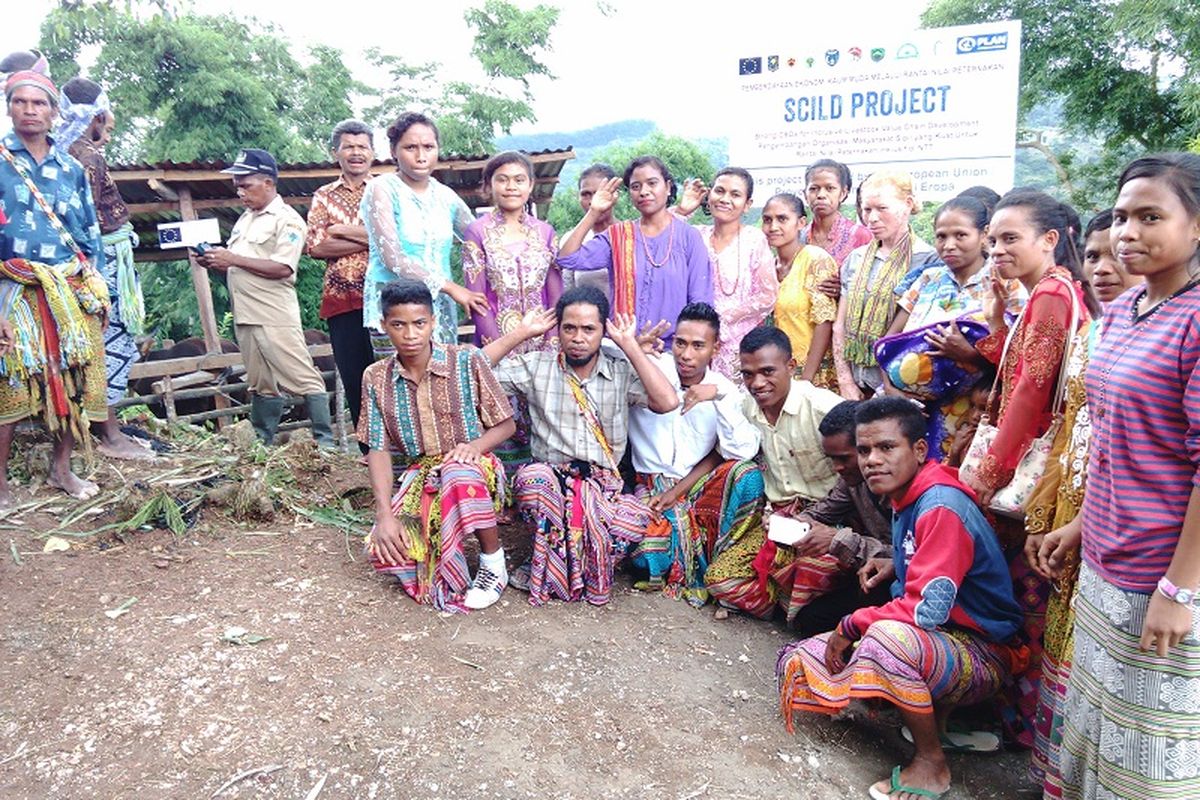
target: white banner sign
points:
(940, 104)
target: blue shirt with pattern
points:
(27, 233)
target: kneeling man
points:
(949, 635)
(579, 402)
(693, 464)
(440, 410)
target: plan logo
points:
(982, 43)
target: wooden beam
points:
(163, 190)
(207, 204)
(211, 362)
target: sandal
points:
(897, 786)
(963, 741)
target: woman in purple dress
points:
(657, 263)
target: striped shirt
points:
(1144, 396)
(456, 400)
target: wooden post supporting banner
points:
(208, 317)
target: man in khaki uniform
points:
(260, 264)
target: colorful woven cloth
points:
(583, 526)
(440, 505)
(51, 347)
(623, 268)
(679, 545)
(910, 667)
(118, 245)
(871, 301)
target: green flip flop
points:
(897, 786)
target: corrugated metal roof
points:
(150, 188)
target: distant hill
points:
(589, 138)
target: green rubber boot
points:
(322, 421)
(265, 413)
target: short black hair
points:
(906, 413)
(587, 295)
(405, 121)
(700, 312)
(840, 419)
(603, 170)
(404, 292)
(984, 194)
(354, 127)
(81, 90)
(1101, 222)
(765, 336)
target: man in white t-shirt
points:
(693, 462)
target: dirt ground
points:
(338, 686)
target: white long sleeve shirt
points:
(672, 444)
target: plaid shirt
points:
(456, 400)
(337, 204)
(558, 431)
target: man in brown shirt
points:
(260, 262)
(852, 524)
(336, 234)
(85, 128)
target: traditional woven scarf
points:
(622, 236)
(588, 412)
(31, 77)
(129, 287)
(872, 299)
(51, 344)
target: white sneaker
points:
(485, 589)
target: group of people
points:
(962, 471)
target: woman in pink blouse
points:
(744, 281)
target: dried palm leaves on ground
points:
(204, 476)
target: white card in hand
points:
(787, 531)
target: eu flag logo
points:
(170, 236)
(750, 66)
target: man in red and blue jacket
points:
(947, 637)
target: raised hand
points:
(537, 321)
(650, 339)
(606, 196)
(694, 192)
(473, 302)
(995, 303)
(622, 329)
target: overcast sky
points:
(612, 60)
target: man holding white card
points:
(787, 412)
(693, 463)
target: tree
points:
(509, 44)
(682, 157)
(192, 87)
(1125, 71)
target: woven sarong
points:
(910, 667)
(679, 545)
(1131, 718)
(582, 527)
(440, 505)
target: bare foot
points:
(6, 498)
(126, 448)
(920, 774)
(74, 485)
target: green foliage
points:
(682, 157)
(1126, 72)
(508, 46)
(195, 87)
